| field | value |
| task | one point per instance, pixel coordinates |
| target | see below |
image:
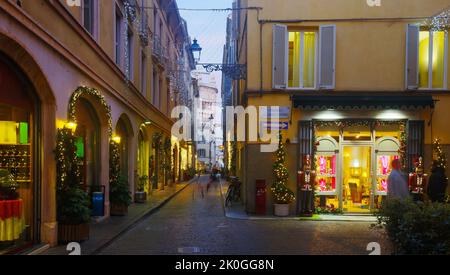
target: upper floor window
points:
(202, 153)
(130, 55)
(89, 16)
(426, 63)
(304, 59)
(143, 73)
(118, 35)
(432, 56)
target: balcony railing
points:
(144, 32)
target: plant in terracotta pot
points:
(282, 195)
(140, 195)
(72, 201)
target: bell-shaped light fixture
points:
(196, 50)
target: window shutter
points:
(305, 140)
(327, 57)
(412, 57)
(415, 147)
(280, 56)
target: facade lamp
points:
(196, 50)
(116, 139)
(71, 126)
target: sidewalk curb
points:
(139, 218)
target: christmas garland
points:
(440, 22)
(81, 91)
(373, 124)
(167, 166)
(439, 155)
(281, 193)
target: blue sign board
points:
(281, 125)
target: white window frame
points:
(301, 70)
(430, 62)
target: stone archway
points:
(96, 99)
(97, 120)
(124, 130)
(25, 63)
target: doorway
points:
(357, 187)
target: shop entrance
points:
(357, 187)
(353, 162)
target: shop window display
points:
(16, 191)
(326, 159)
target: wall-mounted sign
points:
(281, 125)
(280, 112)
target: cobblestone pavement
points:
(190, 224)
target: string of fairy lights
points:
(281, 193)
(440, 22)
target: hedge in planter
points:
(416, 228)
(72, 202)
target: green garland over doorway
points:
(83, 90)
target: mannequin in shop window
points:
(306, 180)
(397, 185)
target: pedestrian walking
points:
(397, 185)
(213, 178)
(437, 184)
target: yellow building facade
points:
(358, 85)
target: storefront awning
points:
(363, 102)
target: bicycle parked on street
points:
(234, 191)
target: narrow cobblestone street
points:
(190, 224)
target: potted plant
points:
(119, 196)
(73, 211)
(140, 195)
(282, 195)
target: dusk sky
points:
(209, 27)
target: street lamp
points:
(196, 50)
(233, 71)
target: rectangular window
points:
(130, 54)
(155, 87)
(88, 15)
(302, 60)
(118, 35)
(143, 73)
(432, 59)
